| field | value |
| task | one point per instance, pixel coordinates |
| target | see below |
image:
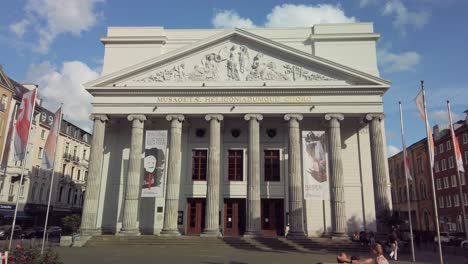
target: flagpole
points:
(51, 181)
(436, 213)
(22, 171)
(460, 189)
(6, 150)
(407, 184)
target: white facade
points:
(319, 75)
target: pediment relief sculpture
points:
(233, 62)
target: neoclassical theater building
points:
(238, 114)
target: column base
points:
(339, 236)
(296, 234)
(252, 233)
(129, 232)
(91, 232)
(211, 233)
(169, 232)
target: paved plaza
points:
(134, 255)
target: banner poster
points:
(314, 161)
(154, 163)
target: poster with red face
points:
(154, 163)
(315, 172)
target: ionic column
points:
(337, 198)
(382, 201)
(212, 191)
(296, 223)
(173, 177)
(132, 191)
(253, 178)
(90, 208)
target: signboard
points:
(315, 169)
(154, 163)
(7, 206)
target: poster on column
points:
(154, 163)
(314, 165)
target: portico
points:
(235, 105)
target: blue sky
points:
(56, 44)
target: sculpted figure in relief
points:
(244, 58)
(233, 65)
(207, 69)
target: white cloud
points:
(392, 150)
(64, 86)
(231, 19)
(286, 15)
(19, 28)
(392, 62)
(441, 116)
(364, 3)
(404, 17)
(54, 17)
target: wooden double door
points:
(234, 217)
(195, 215)
(272, 217)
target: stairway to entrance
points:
(242, 243)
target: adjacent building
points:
(449, 201)
(71, 167)
(244, 132)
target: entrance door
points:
(234, 217)
(195, 215)
(272, 215)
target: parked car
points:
(464, 244)
(35, 232)
(5, 231)
(445, 237)
(54, 231)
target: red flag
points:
(420, 104)
(49, 148)
(456, 147)
(407, 165)
(23, 124)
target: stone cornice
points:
(135, 40)
(340, 37)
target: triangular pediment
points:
(232, 58)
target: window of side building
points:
(454, 181)
(449, 145)
(465, 138)
(446, 182)
(199, 164)
(272, 165)
(436, 166)
(443, 165)
(439, 184)
(449, 201)
(441, 148)
(456, 200)
(441, 202)
(235, 165)
(450, 162)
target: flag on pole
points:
(51, 142)
(407, 164)
(456, 147)
(420, 104)
(24, 116)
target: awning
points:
(11, 214)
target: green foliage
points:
(71, 223)
(32, 255)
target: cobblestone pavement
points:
(136, 255)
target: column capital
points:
(136, 117)
(377, 116)
(297, 117)
(179, 118)
(258, 117)
(336, 116)
(217, 117)
(100, 117)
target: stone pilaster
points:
(382, 201)
(296, 222)
(253, 227)
(173, 177)
(90, 208)
(337, 199)
(212, 191)
(132, 191)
